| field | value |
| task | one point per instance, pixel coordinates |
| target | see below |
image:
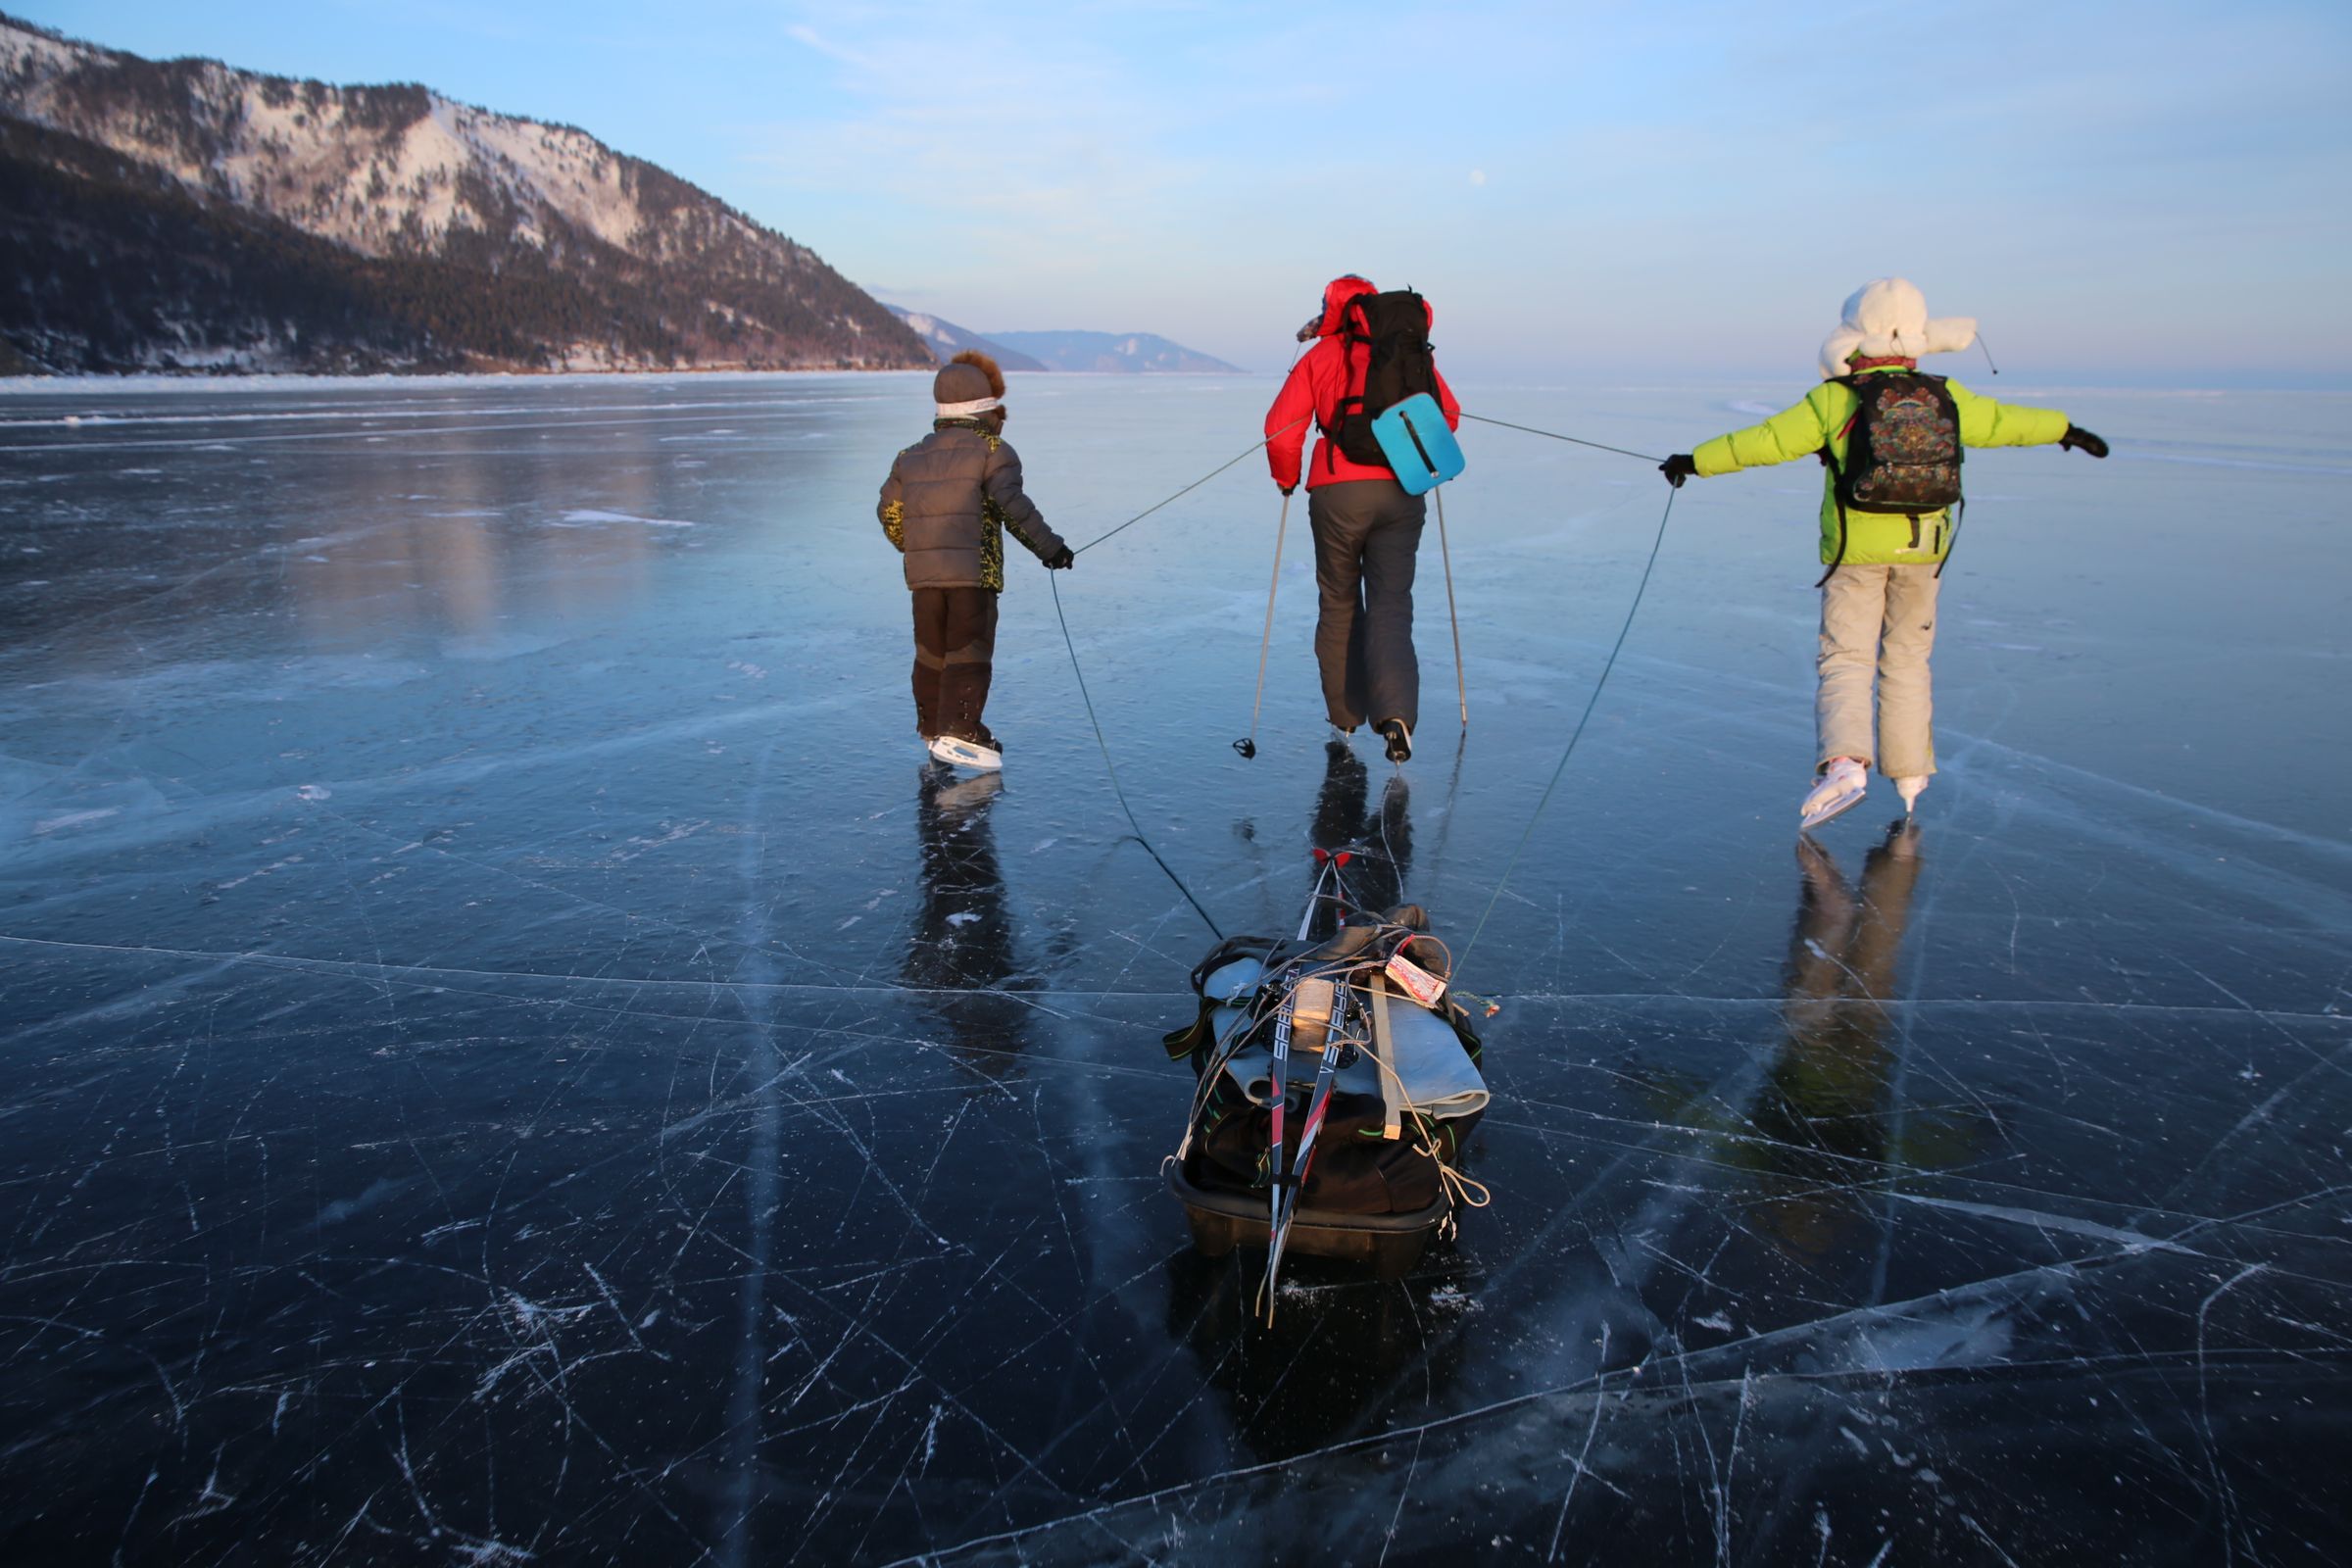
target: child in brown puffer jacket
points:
(946, 505)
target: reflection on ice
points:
(511, 1057)
(1381, 841)
(959, 945)
(1820, 1134)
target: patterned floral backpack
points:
(1903, 450)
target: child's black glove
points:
(2081, 440)
(1062, 560)
(1681, 466)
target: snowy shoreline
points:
(271, 380)
(1730, 387)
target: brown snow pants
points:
(955, 649)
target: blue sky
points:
(2126, 193)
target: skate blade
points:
(963, 753)
(1829, 810)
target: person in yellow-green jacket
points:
(1892, 440)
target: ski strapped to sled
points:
(1315, 1005)
(1327, 874)
(1283, 1025)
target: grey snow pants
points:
(1877, 620)
(1367, 532)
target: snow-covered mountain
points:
(1113, 353)
(396, 225)
(947, 340)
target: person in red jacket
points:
(1367, 531)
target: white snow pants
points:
(1881, 621)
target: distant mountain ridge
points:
(185, 214)
(1114, 353)
(1107, 353)
(947, 340)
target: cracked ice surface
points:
(507, 1058)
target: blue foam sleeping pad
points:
(1421, 448)
(1432, 1069)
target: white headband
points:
(965, 411)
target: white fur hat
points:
(1887, 318)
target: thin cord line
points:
(1237, 457)
(1578, 734)
(1598, 446)
(1112, 769)
(1195, 485)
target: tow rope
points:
(1195, 485)
(1248, 748)
(1578, 733)
(1576, 440)
(1111, 769)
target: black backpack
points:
(1903, 450)
(1391, 332)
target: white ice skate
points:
(1910, 789)
(957, 752)
(1840, 791)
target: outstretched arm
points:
(1987, 423)
(1000, 480)
(1794, 432)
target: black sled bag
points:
(1356, 1168)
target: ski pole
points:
(1462, 685)
(1248, 745)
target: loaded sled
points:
(1337, 1082)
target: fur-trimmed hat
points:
(966, 386)
(1887, 318)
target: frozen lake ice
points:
(509, 1056)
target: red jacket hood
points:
(1336, 295)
